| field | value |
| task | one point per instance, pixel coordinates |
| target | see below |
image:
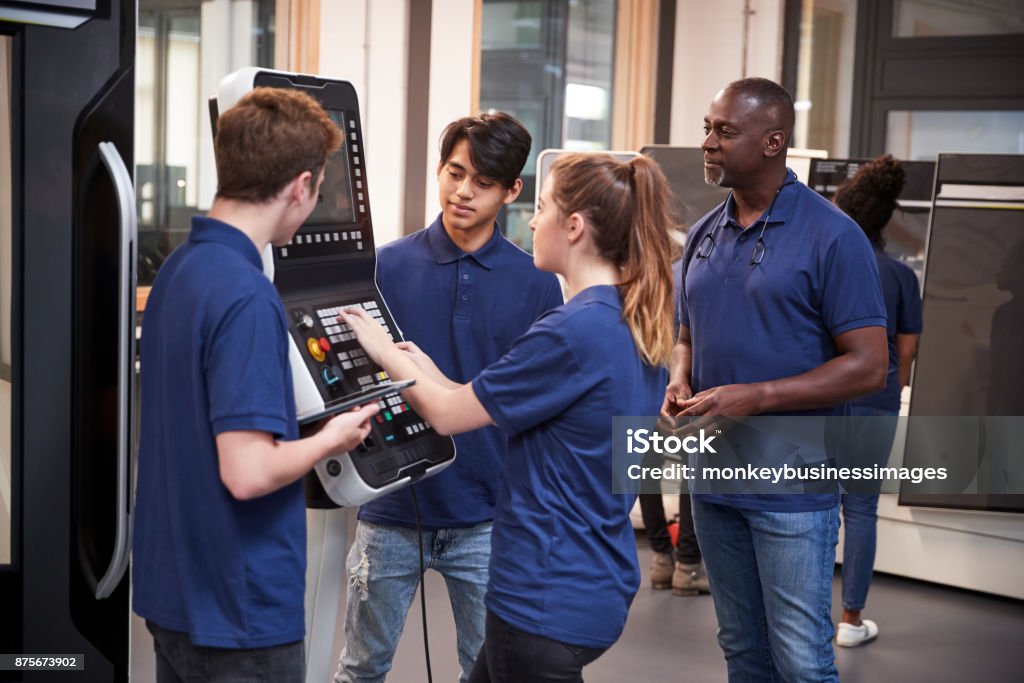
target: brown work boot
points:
(661, 571)
(690, 579)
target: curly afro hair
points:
(869, 197)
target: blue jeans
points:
(178, 661)
(383, 574)
(860, 510)
(771, 580)
(860, 514)
(514, 656)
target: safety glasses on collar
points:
(707, 245)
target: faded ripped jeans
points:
(383, 574)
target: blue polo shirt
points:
(755, 323)
(464, 311)
(214, 357)
(563, 554)
(903, 315)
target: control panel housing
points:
(329, 265)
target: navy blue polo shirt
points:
(464, 311)
(903, 315)
(563, 554)
(214, 357)
(755, 323)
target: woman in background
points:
(563, 567)
(869, 197)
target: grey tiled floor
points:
(928, 633)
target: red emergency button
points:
(325, 345)
(313, 346)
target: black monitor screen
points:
(969, 365)
(969, 361)
(335, 205)
(826, 175)
(684, 169)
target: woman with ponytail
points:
(563, 568)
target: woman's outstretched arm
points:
(450, 408)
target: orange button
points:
(325, 345)
(313, 346)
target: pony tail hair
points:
(647, 288)
(628, 206)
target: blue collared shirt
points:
(903, 316)
(214, 358)
(755, 323)
(464, 311)
(563, 553)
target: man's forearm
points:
(680, 363)
(858, 370)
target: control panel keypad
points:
(342, 367)
(350, 356)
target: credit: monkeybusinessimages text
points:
(775, 475)
(645, 442)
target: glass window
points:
(6, 243)
(824, 92)
(511, 26)
(938, 18)
(589, 68)
(176, 73)
(921, 135)
(550, 64)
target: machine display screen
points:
(328, 265)
(335, 205)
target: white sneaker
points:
(848, 635)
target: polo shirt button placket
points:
(463, 289)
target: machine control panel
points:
(329, 265)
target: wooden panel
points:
(636, 45)
(141, 298)
(298, 36)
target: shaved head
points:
(770, 99)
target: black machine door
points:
(64, 587)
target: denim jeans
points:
(860, 515)
(510, 655)
(860, 510)
(383, 574)
(771, 580)
(179, 661)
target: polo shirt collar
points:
(605, 294)
(205, 229)
(446, 251)
(781, 212)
